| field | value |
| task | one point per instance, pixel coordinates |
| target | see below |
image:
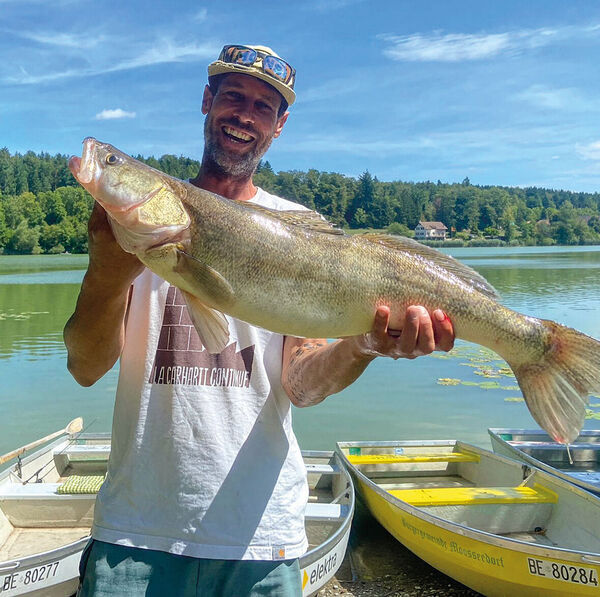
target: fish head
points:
(117, 181)
(140, 200)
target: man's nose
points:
(245, 112)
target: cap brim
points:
(219, 68)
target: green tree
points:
(398, 229)
(24, 240)
(53, 207)
(363, 199)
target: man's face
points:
(241, 121)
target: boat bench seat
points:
(73, 487)
(322, 469)
(86, 452)
(413, 457)
(325, 511)
(466, 496)
(18, 491)
(82, 457)
(35, 505)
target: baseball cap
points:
(260, 62)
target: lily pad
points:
(448, 381)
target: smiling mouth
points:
(237, 135)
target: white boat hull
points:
(53, 570)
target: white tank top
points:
(204, 461)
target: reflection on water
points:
(41, 263)
(37, 394)
(392, 400)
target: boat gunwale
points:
(457, 528)
(520, 456)
(311, 556)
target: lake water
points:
(392, 400)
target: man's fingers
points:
(426, 337)
(382, 318)
(444, 331)
(410, 331)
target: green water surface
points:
(456, 396)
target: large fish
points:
(293, 274)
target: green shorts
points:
(108, 569)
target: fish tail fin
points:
(557, 387)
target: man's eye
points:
(264, 107)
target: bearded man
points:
(206, 486)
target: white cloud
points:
(56, 2)
(456, 47)
(159, 51)
(65, 40)
(330, 5)
(486, 144)
(558, 98)
(200, 16)
(331, 89)
(590, 151)
(114, 114)
(163, 51)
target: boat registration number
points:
(578, 575)
(28, 577)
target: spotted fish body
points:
(292, 273)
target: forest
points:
(44, 210)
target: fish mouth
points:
(236, 135)
(84, 168)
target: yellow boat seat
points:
(466, 496)
(414, 457)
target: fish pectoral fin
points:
(211, 285)
(211, 325)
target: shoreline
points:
(377, 565)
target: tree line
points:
(44, 210)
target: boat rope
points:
(569, 454)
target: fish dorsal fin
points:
(455, 267)
(309, 219)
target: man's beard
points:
(218, 160)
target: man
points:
(206, 487)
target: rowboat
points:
(47, 502)
(579, 465)
(500, 527)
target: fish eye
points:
(111, 158)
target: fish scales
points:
(291, 274)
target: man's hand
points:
(314, 369)
(421, 334)
(107, 258)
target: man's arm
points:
(313, 369)
(95, 332)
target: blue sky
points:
(504, 92)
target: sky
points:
(500, 91)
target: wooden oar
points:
(74, 426)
